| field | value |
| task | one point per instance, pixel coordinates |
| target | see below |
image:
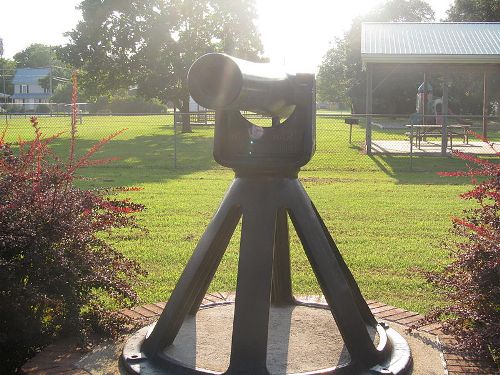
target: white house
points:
(195, 107)
(27, 88)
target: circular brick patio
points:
(63, 356)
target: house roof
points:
(29, 76)
(443, 42)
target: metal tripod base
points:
(135, 362)
(263, 202)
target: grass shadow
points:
(421, 170)
(143, 158)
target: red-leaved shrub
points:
(55, 270)
(470, 284)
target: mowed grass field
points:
(387, 220)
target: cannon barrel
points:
(221, 82)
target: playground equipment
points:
(424, 106)
(429, 106)
(424, 98)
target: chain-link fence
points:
(160, 141)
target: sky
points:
(295, 33)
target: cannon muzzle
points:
(221, 82)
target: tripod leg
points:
(253, 291)
(332, 280)
(226, 234)
(196, 277)
(360, 301)
(282, 283)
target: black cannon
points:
(222, 82)
(231, 85)
(265, 194)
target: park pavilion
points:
(437, 49)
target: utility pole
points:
(50, 81)
(3, 78)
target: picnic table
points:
(421, 132)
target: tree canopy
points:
(36, 56)
(474, 11)
(152, 43)
(7, 69)
(467, 89)
(42, 56)
(340, 76)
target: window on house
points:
(24, 89)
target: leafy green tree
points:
(36, 56)
(42, 56)
(63, 92)
(8, 68)
(466, 91)
(152, 43)
(341, 78)
(474, 10)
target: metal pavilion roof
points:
(469, 43)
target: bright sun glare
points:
(295, 33)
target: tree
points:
(42, 56)
(474, 11)
(36, 56)
(340, 77)
(8, 68)
(152, 43)
(62, 94)
(466, 92)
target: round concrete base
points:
(302, 340)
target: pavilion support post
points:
(369, 108)
(444, 129)
(485, 104)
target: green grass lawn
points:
(387, 220)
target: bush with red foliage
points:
(55, 270)
(470, 284)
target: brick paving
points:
(61, 358)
